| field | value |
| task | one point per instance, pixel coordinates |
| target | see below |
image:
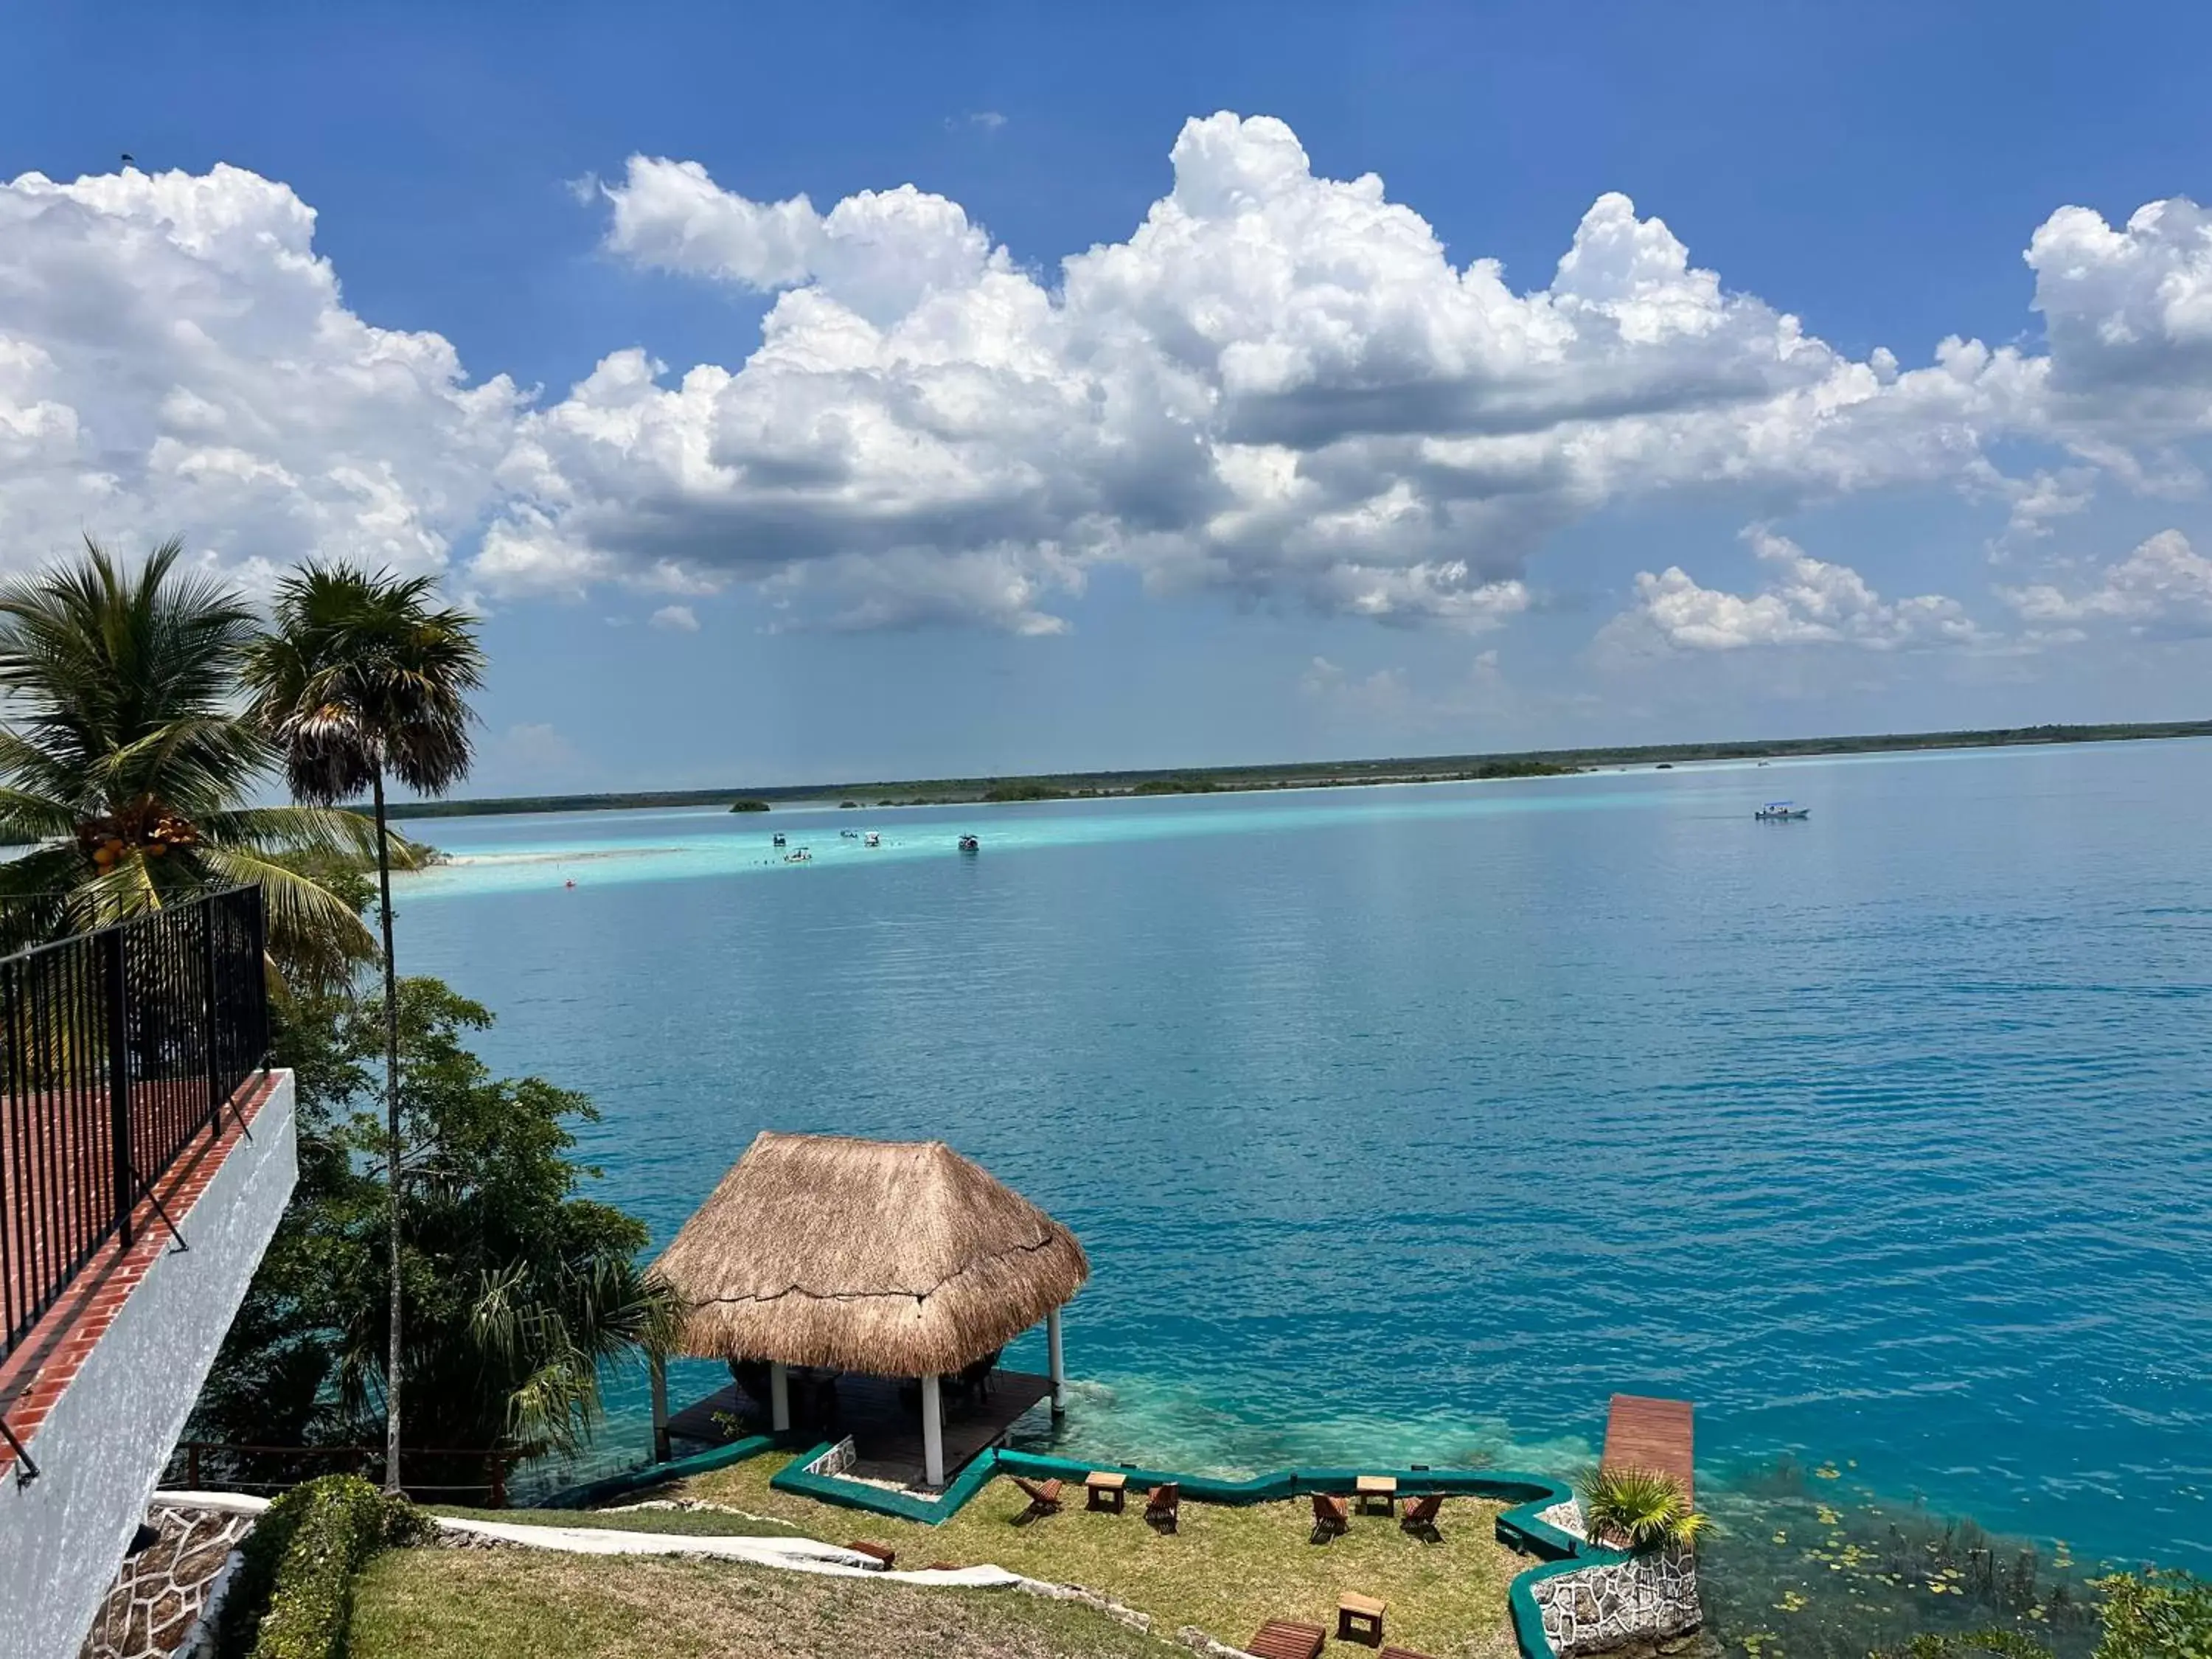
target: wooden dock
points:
(885, 1423)
(1643, 1433)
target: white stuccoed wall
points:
(101, 1449)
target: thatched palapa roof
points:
(898, 1258)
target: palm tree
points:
(362, 677)
(125, 762)
(1639, 1509)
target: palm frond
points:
(26, 816)
(324, 830)
(312, 931)
(362, 676)
(1638, 1508)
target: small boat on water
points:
(849, 834)
(872, 839)
(801, 856)
(970, 844)
(1780, 811)
(777, 840)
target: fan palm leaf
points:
(362, 678)
(1639, 1508)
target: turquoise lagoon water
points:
(1407, 1124)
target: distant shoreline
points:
(1305, 775)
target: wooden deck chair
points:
(1164, 1508)
(1280, 1638)
(1420, 1518)
(1044, 1499)
(1331, 1515)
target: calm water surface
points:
(1408, 1124)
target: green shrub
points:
(1642, 1507)
(292, 1597)
(2156, 1615)
(749, 805)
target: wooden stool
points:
(1373, 1489)
(1359, 1619)
(1103, 1490)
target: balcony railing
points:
(118, 1049)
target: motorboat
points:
(801, 856)
(970, 844)
(1781, 811)
(777, 840)
(872, 839)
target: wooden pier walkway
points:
(1643, 1433)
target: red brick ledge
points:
(38, 1372)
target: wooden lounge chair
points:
(1420, 1518)
(1044, 1499)
(1332, 1515)
(1280, 1638)
(882, 1554)
(1164, 1508)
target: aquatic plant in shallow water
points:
(1809, 1566)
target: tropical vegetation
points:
(128, 763)
(364, 677)
(1639, 1508)
(519, 1289)
(291, 1596)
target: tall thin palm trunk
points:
(392, 1153)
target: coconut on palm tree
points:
(364, 677)
(126, 762)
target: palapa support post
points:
(1059, 1363)
(779, 1397)
(932, 1434)
(660, 1447)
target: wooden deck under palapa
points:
(1643, 1433)
(886, 1425)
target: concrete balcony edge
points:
(102, 1441)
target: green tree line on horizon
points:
(1432, 768)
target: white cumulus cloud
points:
(1804, 601)
(1278, 385)
(175, 358)
(2164, 586)
(676, 619)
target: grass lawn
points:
(528, 1604)
(690, 1523)
(1228, 1571)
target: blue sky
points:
(1274, 477)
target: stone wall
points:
(1647, 1602)
(159, 1593)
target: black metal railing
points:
(118, 1049)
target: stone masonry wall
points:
(1644, 1602)
(158, 1593)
